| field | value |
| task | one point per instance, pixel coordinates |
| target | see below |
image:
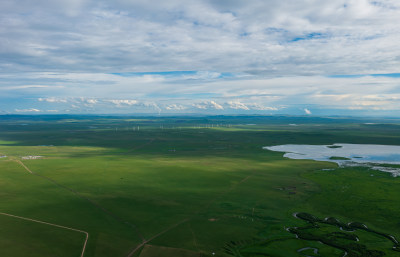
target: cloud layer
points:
(199, 56)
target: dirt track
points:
(54, 225)
(23, 165)
(109, 213)
(155, 236)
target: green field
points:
(187, 186)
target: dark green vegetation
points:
(151, 250)
(349, 238)
(194, 184)
(334, 146)
(345, 241)
(339, 158)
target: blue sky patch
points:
(313, 35)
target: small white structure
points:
(31, 157)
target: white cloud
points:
(237, 93)
(176, 107)
(307, 111)
(206, 105)
(91, 101)
(52, 100)
(120, 103)
(203, 75)
(259, 55)
(27, 110)
(276, 37)
(151, 105)
(237, 105)
(84, 101)
(262, 108)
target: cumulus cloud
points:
(91, 101)
(138, 105)
(52, 100)
(235, 56)
(238, 105)
(262, 108)
(175, 107)
(121, 103)
(248, 94)
(151, 105)
(84, 100)
(206, 105)
(27, 110)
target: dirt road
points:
(54, 225)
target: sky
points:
(268, 57)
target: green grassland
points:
(200, 186)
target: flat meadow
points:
(187, 186)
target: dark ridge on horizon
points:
(205, 118)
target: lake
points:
(372, 156)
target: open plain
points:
(190, 186)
